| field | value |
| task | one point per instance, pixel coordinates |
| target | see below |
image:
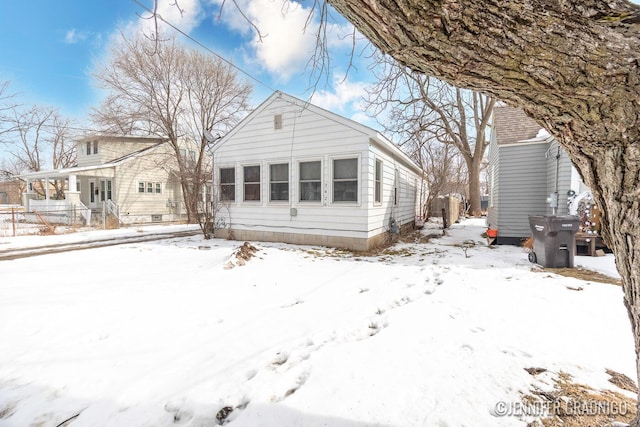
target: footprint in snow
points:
(302, 378)
(430, 286)
(280, 359)
(227, 413)
(179, 412)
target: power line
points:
(202, 45)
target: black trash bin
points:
(553, 240)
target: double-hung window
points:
(279, 182)
(228, 184)
(251, 183)
(345, 180)
(310, 181)
(377, 191)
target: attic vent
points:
(277, 121)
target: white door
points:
(93, 194)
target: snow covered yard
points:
(164, 333)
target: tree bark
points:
(474, 187)
(572, 65)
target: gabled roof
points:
(64, 172)
(373, 134)
(512, 125)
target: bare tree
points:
(437, 161)
(161, 88)
(419, 106)
(39, 139)
(6, 107)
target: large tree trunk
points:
(572, 65)
(474, 187)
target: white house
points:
(296, 173)
(130, 176)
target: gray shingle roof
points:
(513, 125)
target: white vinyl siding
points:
(310, 141)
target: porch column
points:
(28, 195)
(72, 184)
(72, 196)
(46, 188)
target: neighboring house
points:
(529, 174)
(10, 192)
(293, 172)
(132, 177)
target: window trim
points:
(288, 182)
(358, 180)
(259, 182)
(319, 180)
(144, 186)
(234, 184)
(378, 182)
(396, 187)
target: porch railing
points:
(83, 210)
(111, 208)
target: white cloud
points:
(74, 36)
(346, 96)
(186, 18)
(286, 45)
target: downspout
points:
(555, 206)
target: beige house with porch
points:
(132, 178)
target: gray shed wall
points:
(523, 188)
(564, 177)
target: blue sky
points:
(49, 49)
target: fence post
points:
(13, 220)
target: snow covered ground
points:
(163, 333)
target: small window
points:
(345, 180)
(377, 197)
(279, 182)
(109, 190)
(310, 184)
(78, 186)
(192, 155)
(88, 148)
(149, 187)
(252, 183)
(228, 184)
(396, 188)
(95, 147)
(158, 188)
(141, 187)
(277, 121)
